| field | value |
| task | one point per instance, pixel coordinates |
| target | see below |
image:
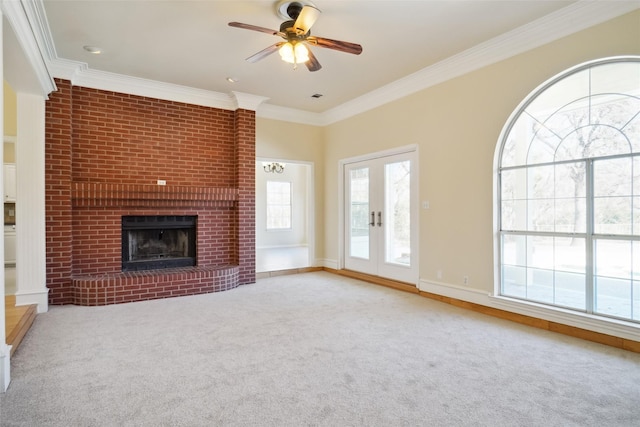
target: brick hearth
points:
(105, 152)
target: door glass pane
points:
(359, 217)
(397, 212)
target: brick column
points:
(58, 208)
(245, 134)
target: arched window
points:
(569, 192)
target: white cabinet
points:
(9, 244)
(9, 182)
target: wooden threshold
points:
(572, 331)
(405, 287)
(18, 321)
(267, 274)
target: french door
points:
(381, 217)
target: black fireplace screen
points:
(162, 241)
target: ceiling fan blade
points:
(312, 64)
(264, 52)
(346, 47)
(255, 28)
(306, 19)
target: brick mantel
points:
(105, 152)
(109, 194)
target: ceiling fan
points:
(296, 33)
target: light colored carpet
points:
(313, 349)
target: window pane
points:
(570, 179)
(540, 285)
(514, 215)
(614, 110)
(397, 183)
(617, 77)
(613, 258)
(359, 184)
(278, 205)
(594, 140)
(514, 184)
(635, 274)
(571, 216)
(614, 268)
(540, 252)
(613, 297)
(612, 177)
(612, 215)
(636, 300)
(570, 272)
(540, 182)
(541, 215)
(514, 250)
(514, 281)
(543, 146)
(570, 290)
(565, 121)
(574, 86)
(516, 147)
(570, 254)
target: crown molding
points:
(292, 115)
(26, 20)
(103, 80)
(247, 101)
(573, 18)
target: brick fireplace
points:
(105, 153)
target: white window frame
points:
(533, 307)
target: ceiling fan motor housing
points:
(294, 9)
(288, 9)
(287, 28)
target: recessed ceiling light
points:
(232, 80)
(93, 49)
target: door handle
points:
(379, 219)
(373, 219)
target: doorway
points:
(284, 215)
(380, 216)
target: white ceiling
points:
(189, 43)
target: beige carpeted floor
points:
(312, 349)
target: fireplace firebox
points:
(158, 241)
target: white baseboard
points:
(28, 298)
(614, 327)
(328, 263)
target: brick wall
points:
(105, 152)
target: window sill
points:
(605, 325)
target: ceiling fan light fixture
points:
(294, 53)
(302, 53)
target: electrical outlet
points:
(465, 280)
(439, 274)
